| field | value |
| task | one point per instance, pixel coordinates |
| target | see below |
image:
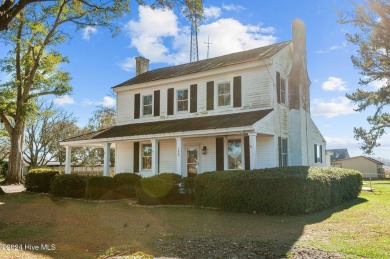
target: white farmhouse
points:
(245, 110)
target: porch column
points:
(252, 150)
(179, 156)
(68, 156)
(106, 166)
(154, 156)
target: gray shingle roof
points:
(181, 125)
(207, 64)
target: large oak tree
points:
(372, 39)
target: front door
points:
(192, 161)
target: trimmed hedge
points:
(39, 180)
(69, 185)
(125, 184)
(290, 190)
(100, 188)
(160, 189)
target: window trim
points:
(143, 104)
(141, 165)
(177, 100)
(216, 95)
(279, 94)
(226, 155)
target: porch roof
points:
(172, 126)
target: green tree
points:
(373, 60)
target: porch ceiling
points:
(235, 120)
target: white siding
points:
(125, 108)
(265, 151)
(168, 156)
(124, 157)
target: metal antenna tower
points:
(208, 45)
(194, 53)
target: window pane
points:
(146, 163)
(234, 154)
(147, 110)
(182, 95)
(148, 100)
(146, 156)
(221, 100)
(227, 99)
(147, 150)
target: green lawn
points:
(87, 230)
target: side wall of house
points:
(363, 165)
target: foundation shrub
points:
(125, 184)
(290, 190)
(160, 189)
(101, 188)
(69, 185)
(39, 180)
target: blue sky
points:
(98, 61)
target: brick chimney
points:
(141, 65)
(299, 80)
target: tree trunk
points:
(15, 162)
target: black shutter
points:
(320, 154)
(137, 105)
(278, 86)
(194, 98)
(158, 166)
(315, 153)
(247, 153)
(220, 154)
(210, 95)
(136, 157)
(170, 101)
(280, 151)
(156, 100)
(237, 91)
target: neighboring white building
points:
(244, 110)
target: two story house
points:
(245, 110)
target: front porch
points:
(241, 141)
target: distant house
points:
(337, 154)
(369, 167)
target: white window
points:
(146, 156)
(234, 154)
(283, 152)
(147, 105)
(317, 153)
(224, 94)
(182, 100)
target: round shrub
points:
(125, 184)
(160, 189)
(39, 180)
(100, 188)
(69, 185)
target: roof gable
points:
(207, 64)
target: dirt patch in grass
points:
(87, 230)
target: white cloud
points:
(233, 7)
(211, 12)
(332, 48)
(88, 31)
(330, 108)
(64, 100)
(128, 64)
(334, 84)
(156, 30)
(108, 101)
(377, 84)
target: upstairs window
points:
(317, 153)
(234, 154)
(281, 88)
(182, 100)
(147, 104)
(224, 94)
(146, 154)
